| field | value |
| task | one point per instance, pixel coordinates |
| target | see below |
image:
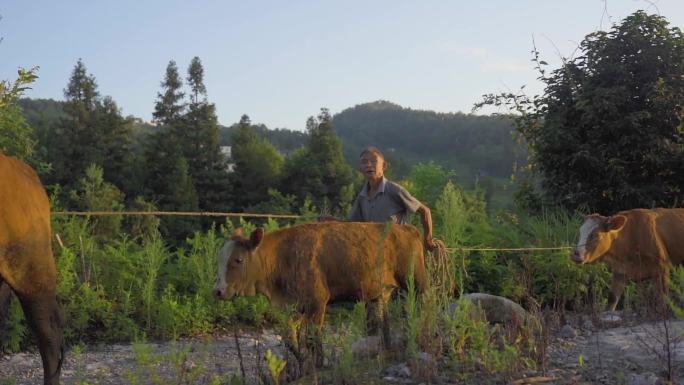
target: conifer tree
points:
(320, 172)
(163, 147)
(169, 106)
(258, 167)
(181, 196)
(72, 147)
(116, 145)
(201, 145)
(92, 133)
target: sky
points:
(281, 61)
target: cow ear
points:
(616, 222)
(238, 232)
(256, 237)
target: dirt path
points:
(196, 361)
(633, 354)
(613, 355)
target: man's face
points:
(371, 166)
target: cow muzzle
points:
(218, 293)
(221, 293)
(576, 256)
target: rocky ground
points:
(610, 351)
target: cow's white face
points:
(220, 289)
(596, 237)
(237, 268)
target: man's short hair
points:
(372, 150)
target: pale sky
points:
(281, 61)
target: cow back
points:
(669, 225)
(351, 260)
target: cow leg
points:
(5, 298)
(662, 291)
(616, 289)
(315, 311)
(377, 315)
(44, 318)
(384, 316)
(318, 320)
(373, 314)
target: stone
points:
(610, 318)
(270, 338)
(496, 309)
(646, 378)
(568, 332)
(398, 371)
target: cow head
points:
(238, 269)
(597, 234)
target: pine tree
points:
(92, 133)
(201, 145)
(258, 167)
(181, 196)
(245, 132)
(196, 80)
(169, 106)
(72, 147)
(116, 145)
(320, 172)
(162, 148)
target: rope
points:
(451, 250)
(440, 269)
(442, 247)
(176, 213)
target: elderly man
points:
(381, 200)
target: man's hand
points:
(430, 244)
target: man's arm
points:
(426, 218)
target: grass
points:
(120, 289)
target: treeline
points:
(176, 163)
(93, 158)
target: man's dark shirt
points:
(391, 203)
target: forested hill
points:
(283, 139)
(469, 144)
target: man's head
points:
(372, 163)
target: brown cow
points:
(637, 244)
(313, 264)
(26, 261)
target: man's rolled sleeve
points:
(412, 204)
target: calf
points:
(637, 244)
(314, 264)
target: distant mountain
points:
(470, 144)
